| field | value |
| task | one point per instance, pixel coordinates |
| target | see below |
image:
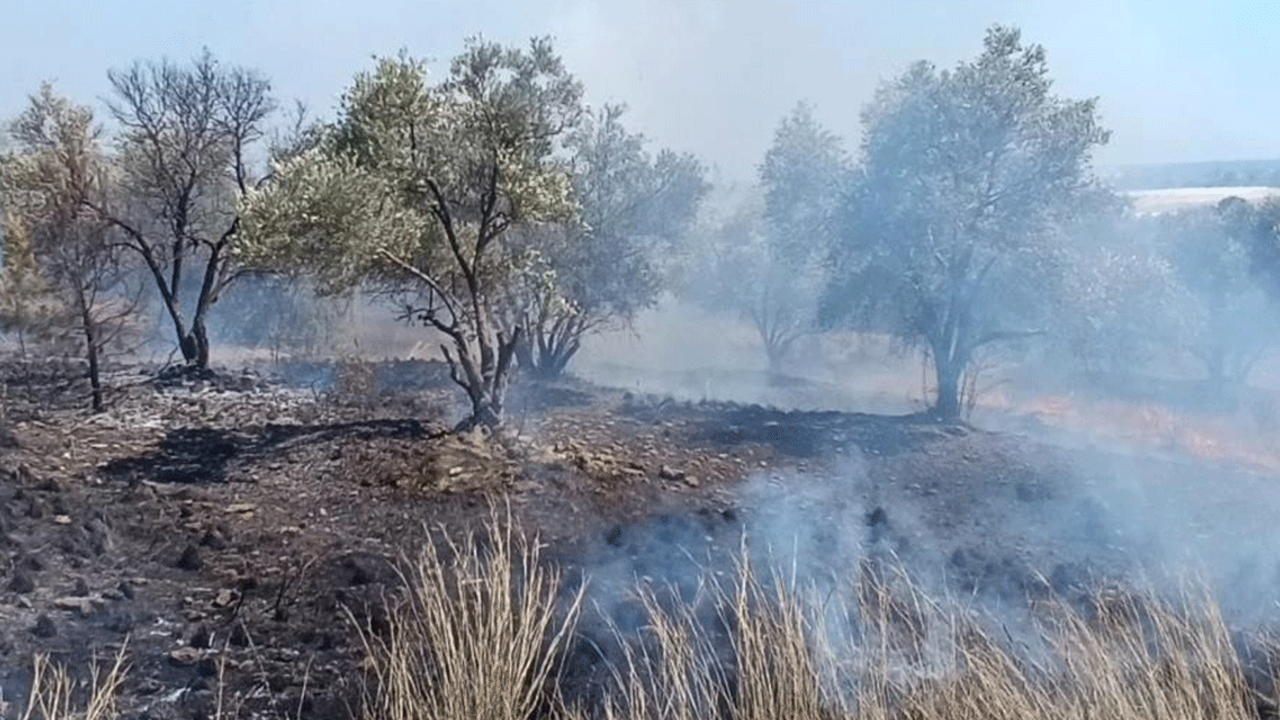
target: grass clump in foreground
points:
(481, 634)
(55, 695)
(482, 628)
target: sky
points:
(1177, 80)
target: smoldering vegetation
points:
(955, 262)
(759, 639)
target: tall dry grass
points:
(481, 639)
(485, 623)
(476, 636)
(56, 695)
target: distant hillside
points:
(1226, 173)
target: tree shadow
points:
(195, 455)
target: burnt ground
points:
(233, 528)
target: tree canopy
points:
(951, 230)
(415, 188)
(610, 261)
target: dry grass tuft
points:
(477, 635)
(55, 695)
(477, 643)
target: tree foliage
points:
(415, 188)
(1122, 305)
(1233, 318)
(803, 174)
(738, 268)
(951, 236)
(60, 256)
(607, 264)
(763, 259)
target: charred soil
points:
(234, 527)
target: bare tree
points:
(185, 156)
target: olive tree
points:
(740, 269)
(609, 263)
(1122, 304)
(54, 166)
(184, 158)
(415, 189)
(1234, 318)
(763, 259)
(951, 236)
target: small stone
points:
(213, 540)
(62, 519)
(667, 472)
(21, 582)
(184, 657)
(201, 639)
(190, 559)
(224, 598)
(44, 627)
(241, 508)
(81, 588)
(74, 604)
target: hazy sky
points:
(1179, 80)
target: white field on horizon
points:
(1172, 199)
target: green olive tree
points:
(413, 192)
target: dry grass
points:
(480, 633)
(481, 636)
(477, 635)
(55, 695)
(355, 383)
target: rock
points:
(225, 598)
(21, 582)
(213, 540)
(241, 508)
(614, 536)
(81, 588)
(667, 472)
(62, 519)
(44, 627)
(79, 605)
(363, 570)
(122, 623)
(190, 559)
(184, 657)
(201, 639)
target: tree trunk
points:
(546, 353)
(201, 335)
(486, 385)
(947, 399)
(91, 352)
(524, 354)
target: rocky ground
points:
(233, 528)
